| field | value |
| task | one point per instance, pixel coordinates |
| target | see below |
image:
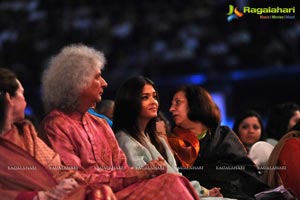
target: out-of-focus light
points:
(28, 111)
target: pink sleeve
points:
(26, 195)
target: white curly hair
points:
(67, 74)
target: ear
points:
(8, 99)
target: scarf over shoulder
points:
(218, 160)
(186, 146)
(19, 171)
(28, 165)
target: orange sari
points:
(186, 146)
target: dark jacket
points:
(223, 162)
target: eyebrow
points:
(149, 93)
(98, 74)
(178, 99)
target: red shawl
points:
(24, 163)
(21, 172)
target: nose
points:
(251, 130)
(154, 101)
(103, 83)
(171, 108)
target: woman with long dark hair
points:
(135, 119)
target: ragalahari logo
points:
(233, 13)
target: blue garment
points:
(93, 112)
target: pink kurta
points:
(90, 145)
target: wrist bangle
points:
(204, 192)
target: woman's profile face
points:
(149, 103)
(294, 119)
(19, 103)
(179, 109)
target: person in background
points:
(200, 142)
(281, 118)
(135, 120)
(249, 128)
(104, 109)
(25, 159)
(163, 127)
(163, 124)
(72, 84)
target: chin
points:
(99, 99)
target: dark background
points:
(254, 63)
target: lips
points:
(174, 116)
(153, 109)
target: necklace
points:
(202, 135)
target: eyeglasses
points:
(177, 102)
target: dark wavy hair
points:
(8, 83)
(245, 114)
(278, 119)
(128, 107)
(202, 108)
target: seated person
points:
(200, 142)
(249, 128)
(72, 84)
(104, 109)
(281, 118)
(26, 161)
(135, 120)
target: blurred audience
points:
(178, 34)
(281, 118)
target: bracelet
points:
(204, 192)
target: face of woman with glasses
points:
(179, 109)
